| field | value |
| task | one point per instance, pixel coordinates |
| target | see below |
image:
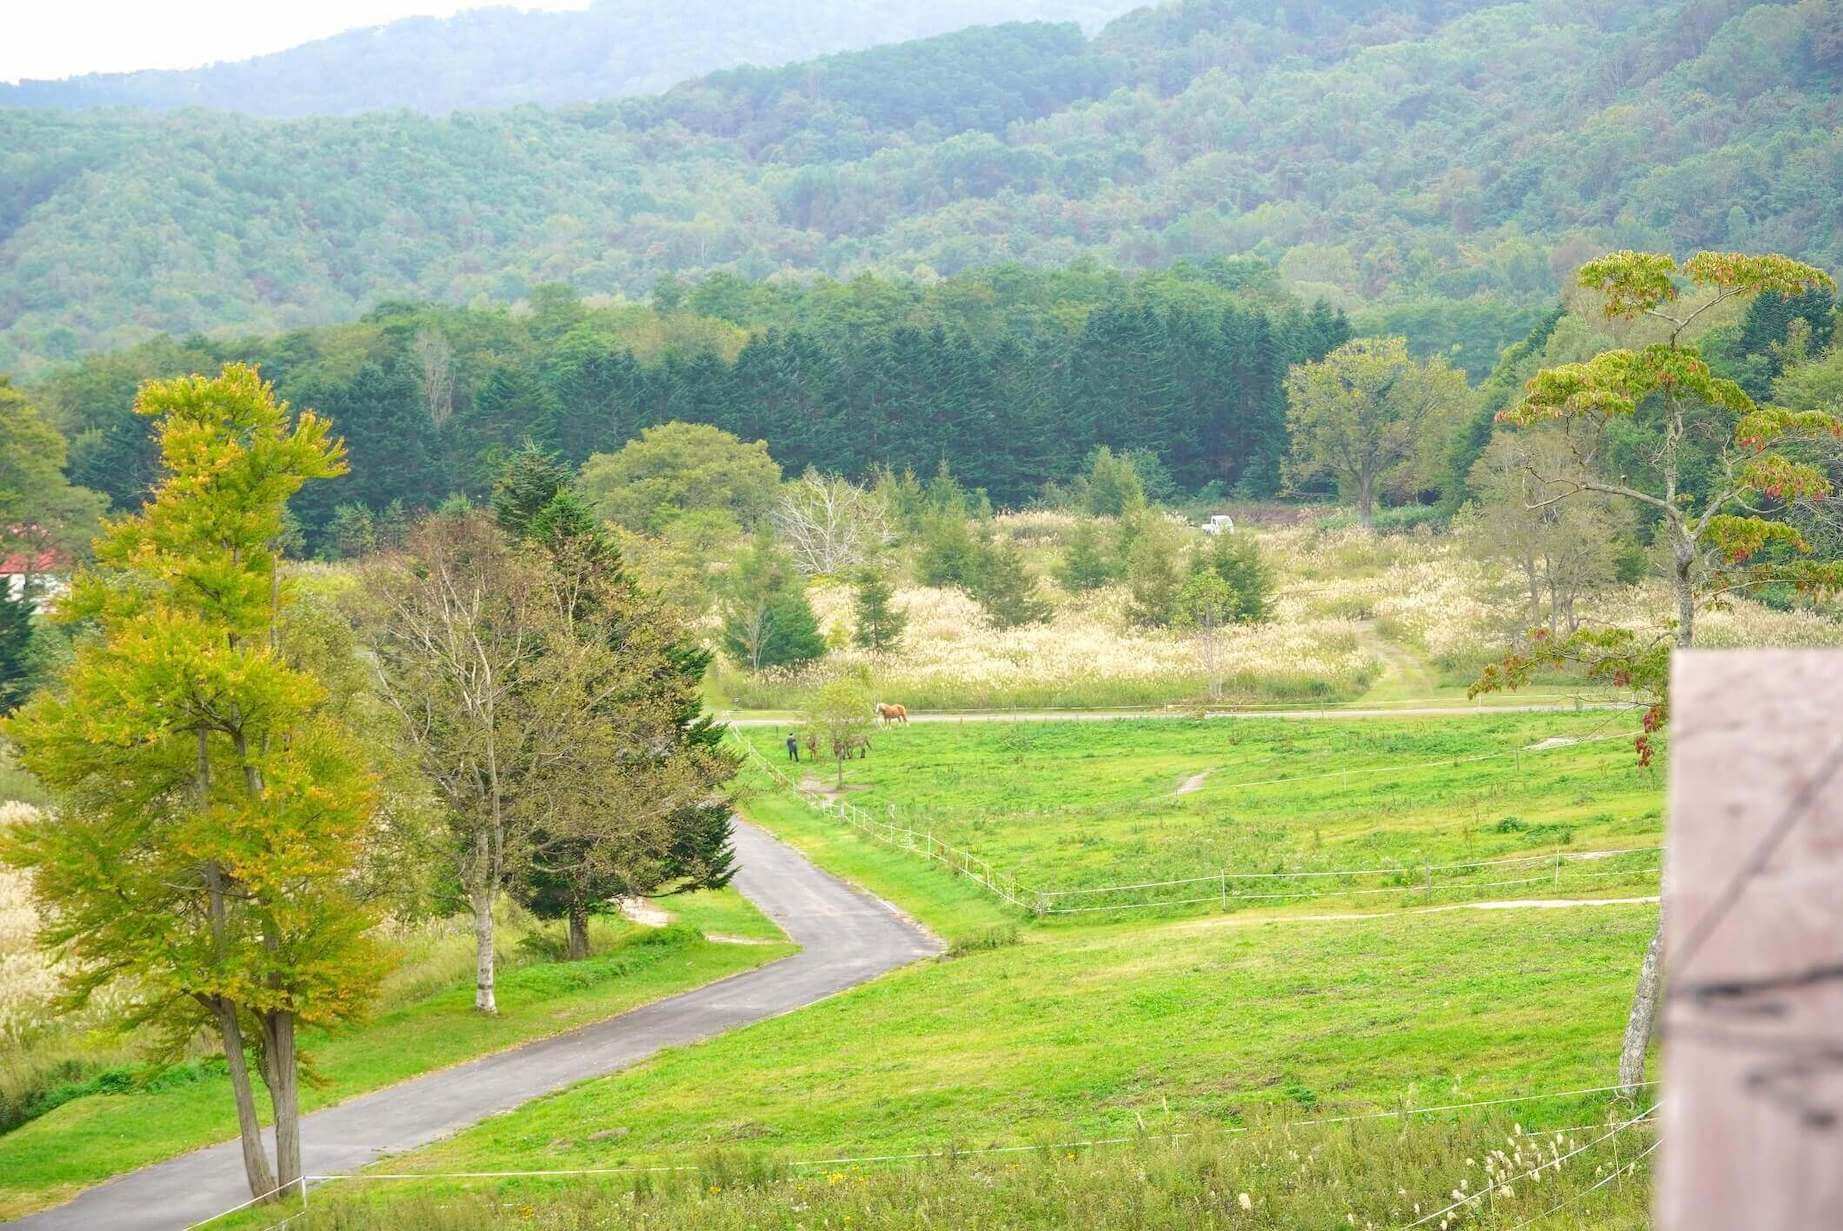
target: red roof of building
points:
(45, 562)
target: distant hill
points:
(502, 57)
(1433, 166)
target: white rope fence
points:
(1512, 703)
(1227, 887)
(856, 1160)
(1615, 1174)
(953, 858)
(1553, 1164)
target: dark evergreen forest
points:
(1009, 378)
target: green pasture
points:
(1205, 1026)
(1205, 1048)
(1071, 806)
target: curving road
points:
(845, 935)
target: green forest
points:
(1008, 378)
(1434, 169)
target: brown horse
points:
(890, 714)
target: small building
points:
(44, 572)
(1219, 523)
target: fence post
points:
(1558, 868)
(1224, 874)
(1753, 940)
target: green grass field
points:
(1206, 1048)
(121, 1120)
(1280, 1174)
(1172, 1027)
(1070, 808)
(1094, 1033)
(1234, 1033)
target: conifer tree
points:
(1236, 559)
(16, 666)
(525, 486)
(657, 817)
(767, 620)
(1006, 588)
(1085, 565)
(879, 624)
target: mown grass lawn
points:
(1102, 1031)
(1065, 805)
(99, 1135)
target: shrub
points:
(1007, 590)
(1113, 486)
(1155, 570)
(948, 554)
(1236, 559)
(1407, 518)
(1085, 565)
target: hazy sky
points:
(61, 38)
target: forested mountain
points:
(503, 57)
(1431, 165)
(1009, 377)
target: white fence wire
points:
(1609, 1129)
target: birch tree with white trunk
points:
(459, 634)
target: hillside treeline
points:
(1440, 167)
(1010, 379)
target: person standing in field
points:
(793, 748)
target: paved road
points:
(845, 936)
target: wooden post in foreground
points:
(1753, 944)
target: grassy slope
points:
(1364, 1177)
(1092, 1032)
(94, 1137)
(1076, 1032)
(1082, 804)
(955, 909)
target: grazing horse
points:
(889, 714)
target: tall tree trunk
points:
(281, 1071)
(482, 901)
(1366, 499)
(1686, 593)
(249, 1128)
(578, 946)
(1642, 1021)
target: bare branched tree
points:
(1559, 551)
(459, 627)
(829, 524)
(435, 355)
